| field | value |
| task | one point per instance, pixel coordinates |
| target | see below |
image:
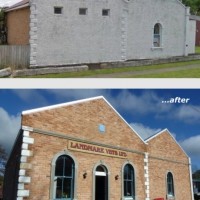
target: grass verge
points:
(112, 71)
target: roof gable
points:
(155, 136)
(49, 108)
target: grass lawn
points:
(194, 73)
(197, 49)
(190, 73)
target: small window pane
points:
(68, 166)
(106, 12)
(82, 11)
(100, 169)
(59, 188)
(67, 193)
(157, 29)
(58, 10)
(59, 167)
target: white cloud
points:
(145, 103)
(187, 113)
(191, 145)
(144, 131)
(9, 129)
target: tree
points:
(194, 6)
(3, 160)
(2, 27)
(196, 175)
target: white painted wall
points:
(127, 33)
(191, 36)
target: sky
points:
(5, 3)
(148, 111)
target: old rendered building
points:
(76, 32)
(84, 150)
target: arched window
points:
(64, 178)
(170, 184)
(157, 35)
(129, 182)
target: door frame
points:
(94, 178)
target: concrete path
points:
(144, 72)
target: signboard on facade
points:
(94, 149)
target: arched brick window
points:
(63, 177)
(128, 182)
(170, 184)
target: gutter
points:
(191, 182)
(187, 14)
(17, 8)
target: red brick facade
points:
(49, 130)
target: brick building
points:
(17, 22)
(84, 150)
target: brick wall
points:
(165, 155)
(44, 149)
(81, 121)
(18, 26)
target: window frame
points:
(170, 185)
(157, 35)
(53, 168)
(106, 169)
(133, 182)
(81, 11)
(58, 7)
(107, 14)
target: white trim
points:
(146, 174)
(24, 179)
(23, 193)
(77, 102)
(60, 105)
(191, 182)
(100, 173)
(17, 7)
(27, 128)
(164, 131)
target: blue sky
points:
(143, 109)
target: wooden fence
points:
(14, 56)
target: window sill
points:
(157, 48)
(170, 197)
